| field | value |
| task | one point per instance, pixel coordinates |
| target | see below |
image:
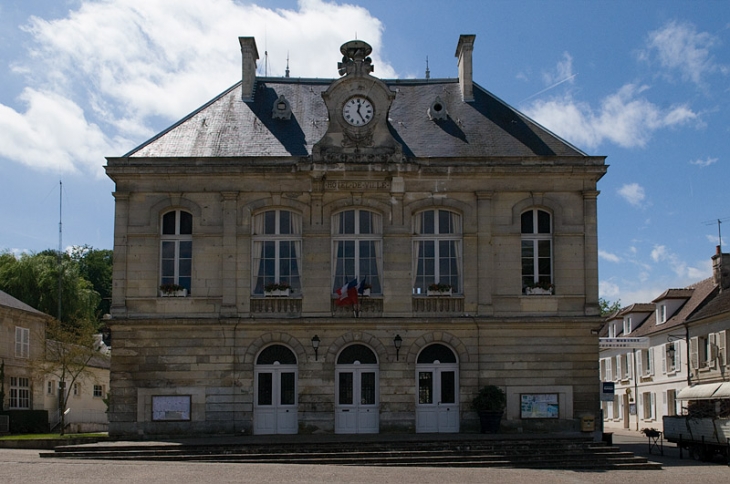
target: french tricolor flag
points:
(347, 294)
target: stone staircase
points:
(534, 453)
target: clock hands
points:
(358, 111)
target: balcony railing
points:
(438, 306)
(280, 307)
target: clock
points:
(358, 111)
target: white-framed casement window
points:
(77, 390)
(671, 402)
(671, 356)
(19, 392)
(176, 250)
(661, 314)
(648, 402)
(22, 342)
(645, 363)
(98, 391)
(624, 366)
(357, 248)
(277, 250)
(627, 325)
(703, 351)
(437, 250)
(537, 249)
(51, 387)
(616, 368)
(722, 348)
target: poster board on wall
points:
(539, 405)
(171, 408)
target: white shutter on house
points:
(619, 373)
(663, 349)
(722, 348)
(630, 364)
(694, 356)
(653, 406)
(711, 350)
(677, 355)
(650, 361)
(640, 364)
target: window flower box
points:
(439, 290)
(173, 290)
(538, 291)
(277, 289)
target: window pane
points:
(288, 385)
(448, 393)
(168, 250)
(186, 223)
(425, 387)
(427, 222)
(543, 222)
(367, 388)
(366, 222)
(347, 222)
(186, 249)
(445, 222)
(285, 222)
(264, 396)
(345, 397)
(527, 223)
(168, 223)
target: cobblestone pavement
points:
(26, 467)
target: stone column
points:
(485, 255)
(228, 254)
(590, 208)
(119, 267)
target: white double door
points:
(275, 403)
(357, 408)
(437, 408)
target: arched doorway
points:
(437, 382)
(275, 391)
(357, 395)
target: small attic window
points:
(627, 325)
(282, 109)
(437, 110)
(661, 314)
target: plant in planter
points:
(277, 289)
(172, 290)
(650, 432)
(489, 405)
(439, 289)
(540, 287)
(365, 289)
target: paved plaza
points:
(26, 467)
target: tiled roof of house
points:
(227, 126)
(685, 293)
(9, 301)
(714, 307)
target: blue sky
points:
(646, 84)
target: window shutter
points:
(609, 376)
(653, 406)
(640, 364)
(694, 352)
(650, 361)
(619, 373)
(677, 356)
(664, 349)
(712, 350)
(722, 347)
(630, 364)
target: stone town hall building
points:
(256, 208)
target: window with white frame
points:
(77, 390)
(616, 407)
(19, 392)
(537, 249)
(703, 351)
(645, 362)
(437, 250)
(176, 251)
(277, 249)
(627, 325)
(671, 401)
(357, 251)
(648, 404)
(51, 387)
(22, 342)
(612, 330)
(661, 313)
(98, 391)
(616, 368)
(623, 367)
(672, 357)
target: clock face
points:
(358, 111)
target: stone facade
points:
(194, 364)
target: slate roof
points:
(229, 127)
(714, 307)
(10, 302)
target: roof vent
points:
(282, 109)
(437, 110)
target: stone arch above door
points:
(447, 339)
(271, 338)
(367, 339)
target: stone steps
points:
(537, 453)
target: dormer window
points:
(661, 314)
(627, 325)
(612, 330)
(282, 109)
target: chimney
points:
(249, 55)
(721, 269)
(463, 53)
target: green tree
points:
(608, 307)
(95, 265)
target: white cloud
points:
(608, 290)
(659, 253)
(677, 46)
(624, 118)
(563, 72)
(608, 256)
(632, 193)
(703, 163)
(121, 65)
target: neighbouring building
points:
(353, 255)
(681, 352)
(24, 352)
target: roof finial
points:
(287, 65)
(428, 72)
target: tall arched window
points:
(176, 250)
(277, 248)
(537, 249)
(437, 250)
(357, 248)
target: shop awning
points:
(723, 391)
(700, 392)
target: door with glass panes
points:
(275, 391)
(357, 409)
(437, 383)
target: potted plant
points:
(439, 289)
(650, 432)
(278, 289)
(539, 288)
(489, 405)
(172, 290)
(366, 290)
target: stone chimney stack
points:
(463, 53)
(249, 55)
(721, 269)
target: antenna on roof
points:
(266, 63)
(719, 222)
(287, 65)
(428, 72)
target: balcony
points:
(438, 306)
(276, 307)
